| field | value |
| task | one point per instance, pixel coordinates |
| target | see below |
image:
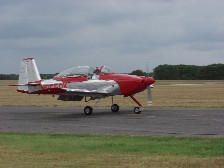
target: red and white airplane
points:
(85, 82)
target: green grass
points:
(52, 150)
(44, 143)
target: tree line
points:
(16, 76)
(185, 72)
(163, 72)
(189, 72)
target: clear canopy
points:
(76, 72)
(106, 70)
(83, 71)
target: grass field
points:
(165, 94)
(42, 150)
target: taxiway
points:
(152, 121)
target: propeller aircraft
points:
(83, 82)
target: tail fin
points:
(28, 73)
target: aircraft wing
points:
(85, 92)
(79, 94)
(92, 88)
(74, 94)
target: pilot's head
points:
(97, 71)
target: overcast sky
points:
(122, 34)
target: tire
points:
(137, 110)
(114, 108)
(88, 110)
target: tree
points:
(189, 72)
(138, 73)
(9, 77)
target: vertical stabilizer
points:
(28, 73)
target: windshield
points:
(106, 70)
(76, 72)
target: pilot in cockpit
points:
(96, 74)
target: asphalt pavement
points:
(151, 122)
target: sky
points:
(123, 34)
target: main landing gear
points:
(88, 110)
(114, 108)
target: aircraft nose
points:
(150, 81)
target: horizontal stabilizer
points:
(28, 84)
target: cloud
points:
(121, 34)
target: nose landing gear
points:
(137, 110)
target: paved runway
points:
(152, 121)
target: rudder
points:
(28, 73)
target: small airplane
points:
(80, 82)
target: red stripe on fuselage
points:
(54, 86)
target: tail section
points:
(28, 73)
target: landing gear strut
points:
(114, 107)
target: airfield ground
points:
(203, 122)
(207, 94)
(188, 102)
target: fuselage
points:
(80, 82)
(115, 84)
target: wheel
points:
(88, 110)
(114, 108)
(137, 110)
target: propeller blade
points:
(149, 92)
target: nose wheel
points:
(138, 110)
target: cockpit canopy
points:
(106, 70)
(76, 72)
(83, 71)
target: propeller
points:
(149, 88)
(149, 93)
